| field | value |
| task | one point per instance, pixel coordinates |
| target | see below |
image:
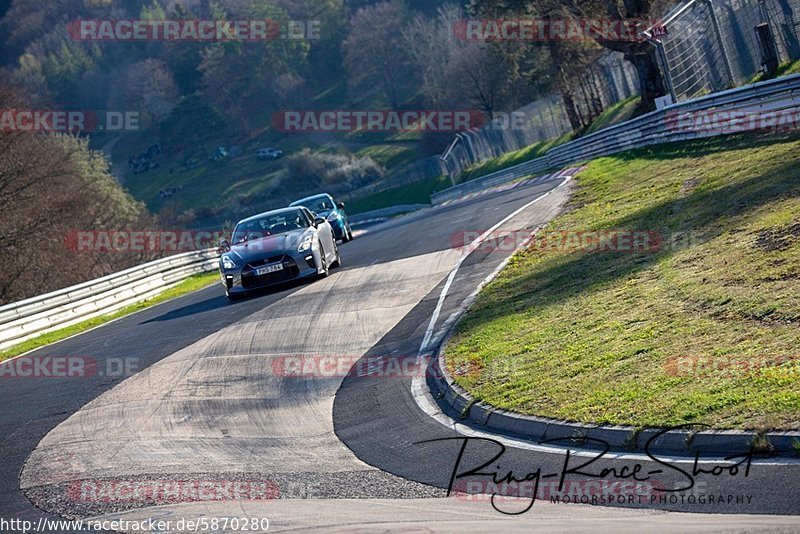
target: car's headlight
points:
(305, 245)
(333, 216)
(228, 263)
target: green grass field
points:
(510, 159)
(704, 330)
(415, 193)
(212, 185)
(390, 156)
(619, 112)
(790, 67)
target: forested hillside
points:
(204, 108)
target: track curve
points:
(211, 403)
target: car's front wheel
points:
(348, 234)
(338, 261)
(324, 269)
(233, 297)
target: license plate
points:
(261, 271)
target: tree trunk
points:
(644, 58)
(586, 103)
(572, 113)
(596, 88)
(575, 120)
(651, 81)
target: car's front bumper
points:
(295, 266)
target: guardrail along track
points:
(20, 321)
(778, 95)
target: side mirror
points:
(318, 221)
(225, 246)
(340, 205)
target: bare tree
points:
(641, 54)
(51, 185)
(147, 86)
(432, 47)
(374, 54)
(454, 72)
(480, 75)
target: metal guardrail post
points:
(662, 58)
(451, 171)
(470, 148)
(722, 46)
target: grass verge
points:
(414, 193)
(703, 330)
(187, 286)
(390, 156)
(785, 69)
(619, 112)
(510, 159)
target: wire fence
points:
(709, 46)
(542, 120)
(771, 99)
(712, 45)
(784, 18)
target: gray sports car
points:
(276, 247)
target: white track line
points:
(428, 405)
(472, 246)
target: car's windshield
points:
(273, 224)
(318, 204)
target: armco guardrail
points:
(522, 170)
(20, 321)
(781, 94)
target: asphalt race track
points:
(209, 396)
